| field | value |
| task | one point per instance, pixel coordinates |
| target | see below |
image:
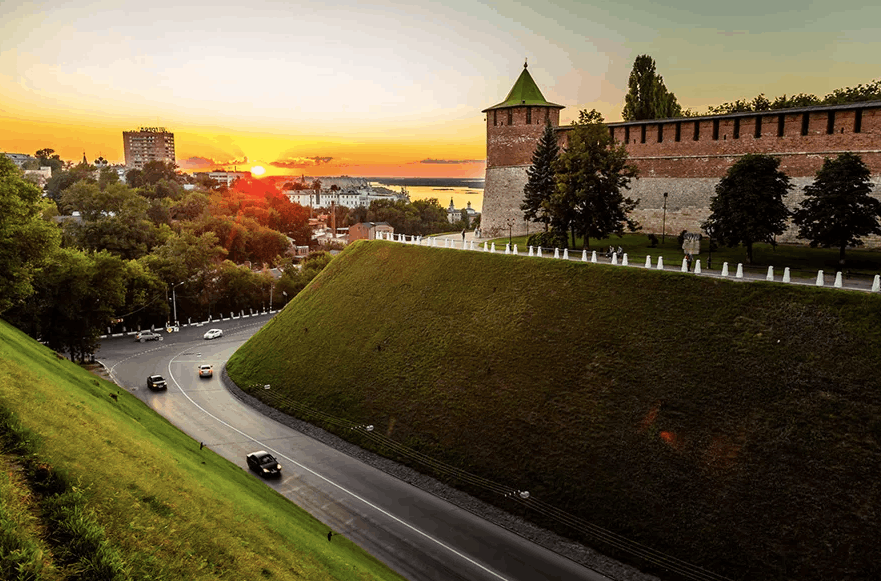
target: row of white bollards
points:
(537, 251)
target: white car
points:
(205, 371)
(213, 334)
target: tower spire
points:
(525, 62)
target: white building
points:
(147, 144)
(352, 197)
(454, 215)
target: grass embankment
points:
(104, 489)
(733, 425)
(802, 260)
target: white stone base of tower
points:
(502, 196)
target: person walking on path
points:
(688, 260)
(463, 235)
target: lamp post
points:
(174, 300)
(664, 227)
(510, 223)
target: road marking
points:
(332, 483)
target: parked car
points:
(147, 336)
(264, 464)
(213, 334)
(205, 371)
(156, 382)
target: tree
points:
(748, 206)
(838, 209)
(540, 183)
(26, 239)
(48, 157)
(648, 97)
(590, 175)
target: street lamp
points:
(664, 227)
(510, 223)
(174, 300)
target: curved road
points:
(415, 533)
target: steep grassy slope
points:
(99, 488)
(734, 425)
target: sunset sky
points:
(388, 88)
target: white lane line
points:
(332, 483)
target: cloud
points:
(301, 162)
(452, 161)
(197, 162)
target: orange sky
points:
(388, 88)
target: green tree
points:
(591, 173)
(48, 157)
(107, 177)
(648, 97)
(541, 183)
(748, 206)
(77, 296)
(838, 209)
(26, 239)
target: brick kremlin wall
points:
(673, 158)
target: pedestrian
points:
(688, 259)
(463, 235)
(620, 251)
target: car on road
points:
(213, 334)
(264, 464)
(147, 336)
(156, 382)
(205, 371)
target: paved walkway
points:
(857, 283)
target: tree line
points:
(648, 98)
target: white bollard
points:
(565, 254)
(820, 280)
(838, 281)
(648, 261)
(615, 258)
(515, 250)
(725, 269)
(660, 263)
(684, 265)
(538, 252)
(507, 248)
(593, 256)
(624, 260)
(584, 256)
(739, 270)
(697, 266)
(556, 253)
(485, 247)
(786, 274)
(531, 252)
(876, 284)
(492, 248)
(770, 275)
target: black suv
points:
(147, 336)
(156, 382)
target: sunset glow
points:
(257, 170)
(377, 91)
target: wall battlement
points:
(684, 158)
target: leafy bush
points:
(547, 240)
(653, 241)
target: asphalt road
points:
(415, 533)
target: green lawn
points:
(802, 260)
(137, 493)
(736, 426)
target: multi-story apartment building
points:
(147, 144)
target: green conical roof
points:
(524, 92)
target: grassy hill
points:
(734, 425)
(94, 487)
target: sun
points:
(257, 170)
